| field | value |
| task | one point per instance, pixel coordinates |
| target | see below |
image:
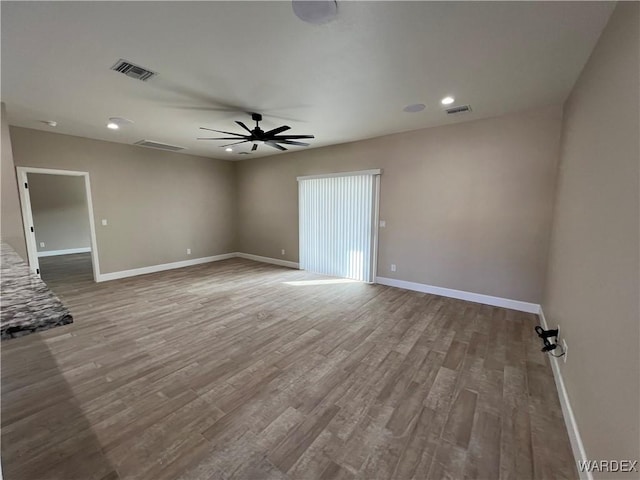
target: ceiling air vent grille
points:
(132, 70)
(458, 109)
(158, 145)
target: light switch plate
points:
(383, 223)
(104, 222)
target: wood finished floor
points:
(238, 369)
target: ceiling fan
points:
(257, 136)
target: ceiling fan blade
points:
(276, 131)
(206, 109)
(236, 143)
(288, 137)
(255, 147)
(219, 138)
(243, 126)
(274, 145)
(291, 142)
(233, 109)
(222, 131)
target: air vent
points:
(132, 70)
(458, 109)
(158, 145)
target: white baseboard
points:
(575, 439)
(461, 295)
(104, 277)
(67, 251)
(273, 261)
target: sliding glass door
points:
(338, 224)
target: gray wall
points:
(11, 229)
(592, 288)
(157, 203)
(60, 214)
(466, 206)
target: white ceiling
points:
(342, 81)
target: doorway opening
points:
(57, 213)
(339, 224)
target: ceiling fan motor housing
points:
(273, 137)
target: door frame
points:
(375, 225)
(27, 215)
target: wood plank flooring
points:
(244, 370)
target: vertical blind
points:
(337, 220)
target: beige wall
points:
(157, 203)
(60, 214)
(466, 206)
(592, 287)
(11, 230)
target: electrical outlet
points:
(104, 222)
(393, 267)
(41, 244)
(188, 251)
(282, 251)
(564, 346)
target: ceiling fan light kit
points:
(258, 136)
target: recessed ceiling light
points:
(315, 11)
(120, 121)
(416, 107)
(447, 100)
(116, 122)
(228, 149)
